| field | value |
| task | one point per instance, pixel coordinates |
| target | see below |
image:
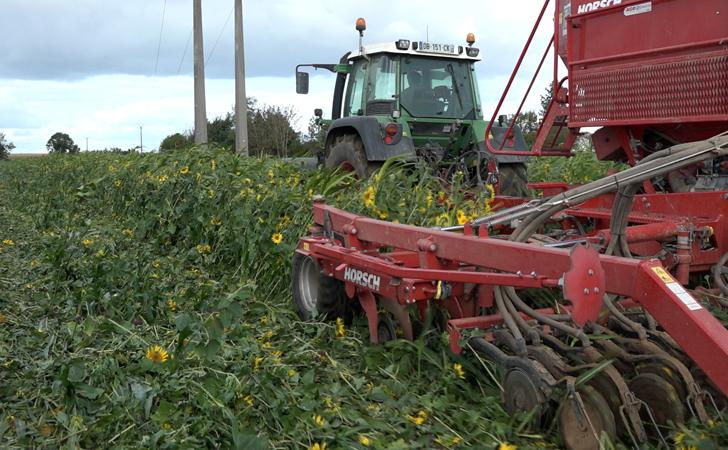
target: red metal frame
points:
(417, 262)
(637, 77)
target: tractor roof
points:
(419, 48)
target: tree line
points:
(270, 132)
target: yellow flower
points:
(247, 181)
(368, 196)
(270, 173)
(382, 215)
(442, 220)
(203, 248)
(215, 221)
(418, 419)
(87, 242)
(163, 178)
(340, 330)
(428, 199)
(157, 354)
(213, 164)
(365, 441)
(101, 253)
(277, 238)
(184, 170)
(117, 183)
(166, 426)
(317, 446)
(507, 446)
(319, 421)
(458, 368)
(248, 400)
(8, 242)
(462, 217)
(127, 232)
(292, 373)
(211, 193)
(172, 304)
(258, 361)
(441, 197)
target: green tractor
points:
(420, 100)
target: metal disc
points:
(520, 393)
(575, 430)
(661, 397)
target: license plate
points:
(429, 47)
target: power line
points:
(161, 30)
(184, 54)
(222, 30)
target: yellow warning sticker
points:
(306, 246)
(662, 273)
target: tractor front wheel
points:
(314, 293)
(513, 179)
(347, 153)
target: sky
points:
(100, 70)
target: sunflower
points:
(157, 354)
(184, 170)
(462, 217)
(458, 369)
(277, 238)
(368, 196)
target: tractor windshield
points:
(437, 87)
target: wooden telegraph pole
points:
(200, 107)
(241, 103)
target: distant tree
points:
(175, 141)
(270, 130)
(221, 131)
(5, 147)
(61, 143)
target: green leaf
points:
(76, 372)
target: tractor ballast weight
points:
(626, 344)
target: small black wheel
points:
(316, 294)
(386, 330)
(347, 153)
(513, 179)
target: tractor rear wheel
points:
(315, 294)
(347, 153)
(513, 179)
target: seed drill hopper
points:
(632, 263)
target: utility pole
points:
(141, 140)
(241, 102)
(86, 145)
(200, 108)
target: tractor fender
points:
(370, 132)
(518, 142)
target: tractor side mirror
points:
(301, 82)
(318, 112)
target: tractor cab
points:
(413, 98)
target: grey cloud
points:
(66, 40)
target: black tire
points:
(513, 179)
(347, 153)
(315, 294)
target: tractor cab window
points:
(437, 87)
(381, 85)
(355, 90)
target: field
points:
(145, 302)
